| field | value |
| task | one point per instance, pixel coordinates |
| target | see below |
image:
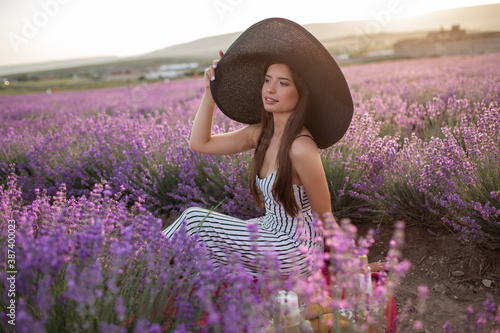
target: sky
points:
(46, 30)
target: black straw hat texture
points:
(239, 77)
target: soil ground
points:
(458, 275)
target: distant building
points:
(452, 42)
(172, 70)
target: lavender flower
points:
(86, 173)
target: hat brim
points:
(240, 75)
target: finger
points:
(212, 73)
(212, 69)
(209, 74)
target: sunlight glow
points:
(44, 30)
(421, 7)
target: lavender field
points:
(86, 175)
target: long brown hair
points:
(283, 186)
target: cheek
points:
(293, 98)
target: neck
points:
(279, 125)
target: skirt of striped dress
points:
(224, 235)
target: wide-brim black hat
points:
(239, 77)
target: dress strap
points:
(298, 136)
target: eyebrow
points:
(280, 78)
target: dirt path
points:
(457, 274)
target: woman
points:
(280, 80)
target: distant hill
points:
(204, 47)
(50, 65)
(477, 18)
(351, 37)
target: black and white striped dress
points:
(293, 239)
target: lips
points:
(270, 100)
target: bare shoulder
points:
(303, 147)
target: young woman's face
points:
(279, 93)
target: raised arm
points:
(202, 140)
